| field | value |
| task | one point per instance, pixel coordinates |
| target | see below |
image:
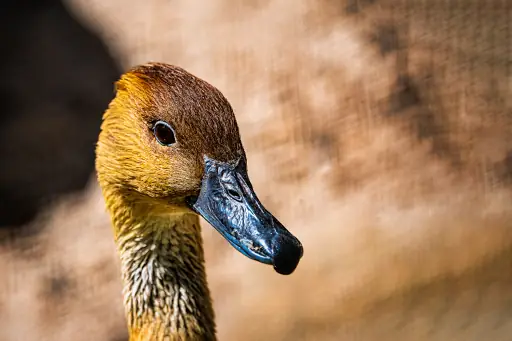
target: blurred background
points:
(378, 131)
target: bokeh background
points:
(377, 131)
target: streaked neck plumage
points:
(165, 290)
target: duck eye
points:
(164, 134)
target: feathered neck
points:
(165, 290)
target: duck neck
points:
(165, 289)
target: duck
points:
(169, 152)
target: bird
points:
(169, 152)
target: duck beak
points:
(228, 202)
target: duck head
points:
(171, 141)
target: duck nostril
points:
(234, 194)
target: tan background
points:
(377, 131)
